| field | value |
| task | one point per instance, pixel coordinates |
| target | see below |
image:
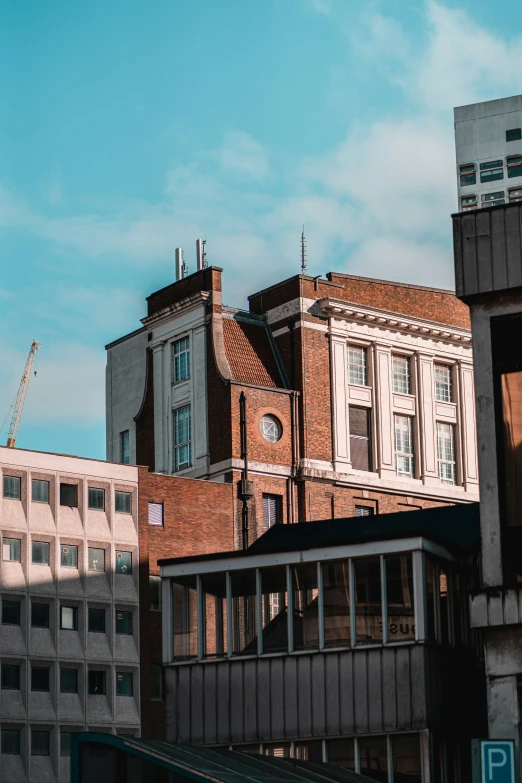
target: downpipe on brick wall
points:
(247, 486)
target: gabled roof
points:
(250, 352)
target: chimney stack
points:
(179, 264)
(199, 254)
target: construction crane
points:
(21, 396)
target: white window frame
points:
(357, 370)
(400, 444)
(441, 384)
(442, 455)
(179, 466)
(181, 347)
(401, 381)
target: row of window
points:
(470, 201)
(41, 678)
(10, 742)
(68, 495)
(11, 550)
(40, 617)
(491, 170)
(401, 374)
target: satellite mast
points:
(303, 253)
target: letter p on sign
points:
(498, 761)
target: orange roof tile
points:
(249, 353)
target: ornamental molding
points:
(355, 313)
(184, 306)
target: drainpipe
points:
(247, 487)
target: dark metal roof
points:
(455, 527)
(214, 765)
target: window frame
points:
(11, 732)
(401, 453)
(438, 384)
(444, 461)
(129, 614)
(186, 444)
(401, 380)
(64, 550)
(10, 604)
(39, 732)
(41, 669)
(11, 666)
(359, 368)
(63, 491)
(39, 482)
(118, 556)
(275, 423)
(119, 494)
(176, 360)
(44, 562)
(74, 615)
(101, 613)
(95, 549)
(10, 542)
(517, 134)
(467, 171)
(76, 679)
(95, 490)
(17, 481)
(35, 604)
(126, 677)
(103, 676)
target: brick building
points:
(328, 398)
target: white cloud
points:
(242, 155)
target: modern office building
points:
(341, 640)
(488, 270)
(488, 140)
(69, 588)
(329, 398)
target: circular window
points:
(270, 428)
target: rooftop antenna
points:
(204, 253)
(184, 267)
(303, 253)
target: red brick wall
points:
(198, 518)
(204, 280)
(258, 403)
(219, 409)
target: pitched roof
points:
(249, 352)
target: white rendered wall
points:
(27, 520)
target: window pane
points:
(12, 487)
(11, 549)
(69, 495)
(10, 742)
(97, 620)
(336, 598)
(40, 552)
(39, 743)
(443, 383)
(96, 499)
(124, 622)
(341, 753)
(11, 612)
(40, 615)
(181, 356)
(271, 428)
(69, 618)
(124, 684)
(446, 452)
(306, 606)
(156, 683)
(96, 559)
(357, 370)
(368, 607)
(360, 452)
(399, 593)
(406, 758)
(40, 491)
(65, 743)
(184, 613)
(215, 615)
(404, 459)
(272, 506)
(514, 134)
(156, 514)
(123, 502)
(96, 683)
(123, 562)
(155, 593)
(374, 758)
(69, 680)
(274, 609)
(182, 438)
(69, 556)
(363, 511)
(40, 678)
(401, 374)
(124, 447)
(11, 676)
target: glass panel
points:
(182, 438)
(11, 549)
(446, 452)
(69, 556)
(468, 179)
(274, 609)
(340, 753)
(401, 374)
(271, 428)
(123, 562)
(40, 615)
(124, 684)
(65, 743)
(306, 606)
(10, 742)
(430, 600)
(124, 622)
(399, 594)
(11, 612)
(40, 678)
(445, 617)
(404, 461)
(69, 618)
(374, 758)
(40, 552)
(39, 743)
(363, 511)
(443, 383)
(69, 680)
(122, 502)
(11, 676)
(156, 683)
(514, 134)
(368, 607)
(491, 164)
(96, 622)
(357, 371)
(280, 750)
(155, 593)
(336, 599)
(244, 629)
(96, 683)
(181, 354)
(215, 608)
(124, 447)
(69, 495)
(40, 491)
(184, 616)
(96, 559)
(359, 425)
(406, 759)
(12, 487)
(96, 499)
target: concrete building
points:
(69, 633)
(344, 641)
(488, 270)
(329, 398)
(488, 139)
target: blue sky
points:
(130, 128)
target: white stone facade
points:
(32, 644)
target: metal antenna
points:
(204, 253)
(303, 253)
(184, 267)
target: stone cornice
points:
(175, 309)
(337, 308)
